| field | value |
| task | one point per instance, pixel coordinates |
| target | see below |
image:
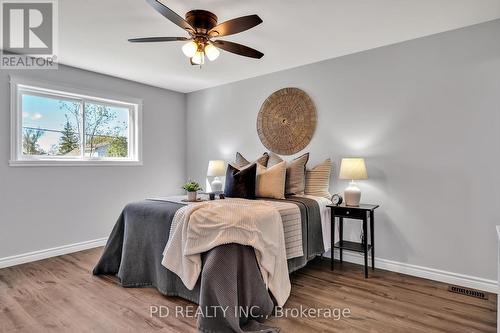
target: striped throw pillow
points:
(318, 180)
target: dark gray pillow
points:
(240, 183)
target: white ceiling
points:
(93, 34)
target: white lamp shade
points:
(216, 168)
(189, 49)
(198, 58)
(353, 169)
(211, 52)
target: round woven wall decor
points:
(287, 121)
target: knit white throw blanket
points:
(199, 228)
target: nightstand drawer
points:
(347, 212)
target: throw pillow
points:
(318, 180)
(273, 159)
(240, 161)
(295, 173)
(270, 182)
(240, 183)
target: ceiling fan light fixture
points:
(198, 58)
(202, 26)
(211, 52)
(189, 49)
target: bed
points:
(230, 275)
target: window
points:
(53, 125)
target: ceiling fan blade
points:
(238, 49)
(235, 26)
(157, 39)
(171, 15)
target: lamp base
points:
(352, 195)
(216, 185)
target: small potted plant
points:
(192, 188)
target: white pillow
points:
(270, 182)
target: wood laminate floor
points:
(61, 295)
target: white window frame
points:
(67, 91)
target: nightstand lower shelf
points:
(352, 246)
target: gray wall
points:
(45, 207)
(426, 116)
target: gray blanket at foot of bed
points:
(237, 292)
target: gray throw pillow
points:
(273, 160)
(295, 173)
(240, 161)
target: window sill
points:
(62, 163)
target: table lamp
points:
(216, 169)
(353, 169)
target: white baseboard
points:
(53, 252)
(390, 265)
(424, 272)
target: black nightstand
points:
(361, 212)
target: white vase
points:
(216, 185)
(192, 196)
(352, 195)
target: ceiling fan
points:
(202, 27)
